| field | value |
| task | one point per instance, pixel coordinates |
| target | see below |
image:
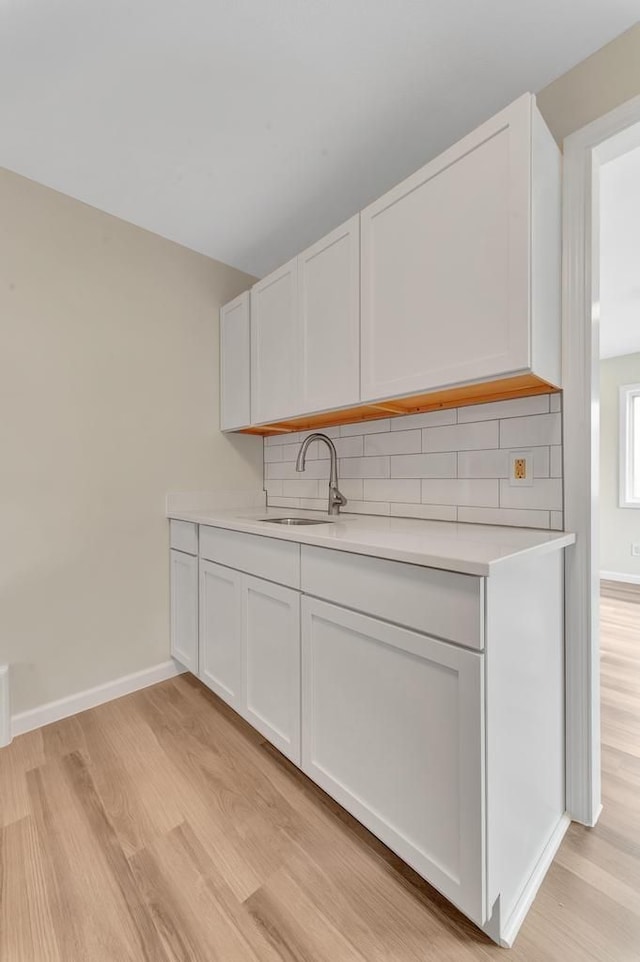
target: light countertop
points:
(474, 549)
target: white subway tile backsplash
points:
(529, 431)
(365, 468)
(383, 489)
(508, 516)
(544, 493)
(443, 465)
(429, 512)
(461, 491)
(424, 465)
(368, 507)
(365, 427)
(461, 437)
(428, 420)
(393, 442)
(306, 488)
(518, 407)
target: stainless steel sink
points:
(296, 521)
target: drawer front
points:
(441, 603)
(268, 558)
(183, 536)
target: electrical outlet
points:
(635, 550)
(521, 469)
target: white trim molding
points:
(619, 576)
(629, 457)
(65, 707)
(584, 152)
(5, 707)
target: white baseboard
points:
(5, 707)
(53, 711)
(618, 576)
(511, 926)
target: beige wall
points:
(600, 83)
(619, 527)
(109, 399)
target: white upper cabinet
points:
(275, 328)
(235, 366)
(460, 266)
(329, 318)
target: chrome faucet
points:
(336, 498)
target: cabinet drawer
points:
(183, 536)
(264, 557)
(441, 603)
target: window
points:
(630, 446)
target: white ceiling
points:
(620, 255)
(245, 129)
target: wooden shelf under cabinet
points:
(521, 385)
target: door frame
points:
(584, 152)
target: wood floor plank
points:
(27, 931)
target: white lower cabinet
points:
(393, 729)
(271, 662)
(184, 609)
(220, 601)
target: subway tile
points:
(277, 439)
(483, 464)
(393, 442)
(279, 469)
(544, 494)
(555, 402)
(352, 447)
(273, 453)
(517, 407)
(428, 512)
(555, 467)
(461, 437)
(506, 516)
(307, 488)
(442, 465)
(368, 507)
(530, 431)
(284, 502)
(365, 467)
(461, 491)
(557, 520)
(428, 420)
(333, 432)
(365, 427)
(314, 504)
(394, 489)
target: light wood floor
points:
(161, 827)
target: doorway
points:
(593, 159)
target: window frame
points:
(628, 394)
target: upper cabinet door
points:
(235, 364)
(329, 317)
(275, 372)
(446, 266)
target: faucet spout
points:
(336, 498)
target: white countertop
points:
(474, 549)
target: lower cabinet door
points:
(184, 609)
(393, 729)
(271, 662)
(220, 622)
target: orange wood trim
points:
(521, 385)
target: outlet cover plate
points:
(519, 478)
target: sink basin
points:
(296, 521)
